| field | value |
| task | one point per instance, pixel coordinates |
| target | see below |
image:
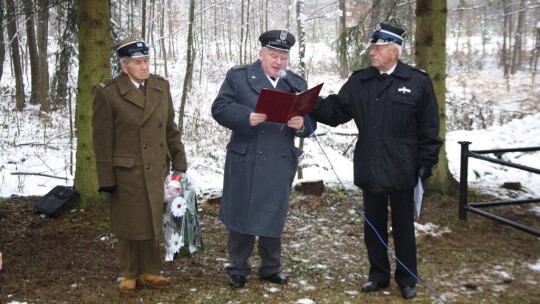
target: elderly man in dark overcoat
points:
(135, 139)
(395, 110)
(261, 160)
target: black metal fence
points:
(465, 206)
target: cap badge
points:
(378, 27)
(283, 35)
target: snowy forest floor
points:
(68, 260)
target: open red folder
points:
(280, 106)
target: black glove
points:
(108, 189)
(424, 172)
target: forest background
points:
(53, 53)
(482, 56)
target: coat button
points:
(160, 125)
(283, 155)
(377, 99)
(142, 126)
(145, 146)
(260, 152)
(147, 167)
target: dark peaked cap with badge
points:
(132, 47)
(277, 39)
(384, 34)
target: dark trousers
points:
(402, 213)
(138, 257)
(240, 246)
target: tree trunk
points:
(430, 55)
(301, 34)
(241, 44)
(2, 41)
(42, 41)
(13, 37)
(95, 66)
(67, 51)
(29, 12)
(189, 68)
(342, 44)
(507, 28)
(162, 39)
(143, 20)
(518, 40)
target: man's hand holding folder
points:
(281, 106)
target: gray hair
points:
(397, 46)
(123, 60)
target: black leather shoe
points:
(277, 278)
(408, 292)
(374, 286)
(237, 281)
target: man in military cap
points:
(395, 110)
(134, 135)
(261, 159)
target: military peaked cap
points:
(277, 39)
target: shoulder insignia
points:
(159, 77)
(420, 70)
(107, 83)
(295, 74)
(358, 71)
(239, 67)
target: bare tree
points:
(66, 52)
(13, 37)
(518, 40)
(33, 54)
(301, 34)
(42, 43)
(189, 68)
(507, 37)
(342, 43)
(2, 41)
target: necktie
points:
(384, 76)
(141, 87)
(273, 78)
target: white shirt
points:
(273, 82)
(389, 71)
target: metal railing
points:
(465, 206)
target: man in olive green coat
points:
(135, 139)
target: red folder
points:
(280, 106)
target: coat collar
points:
(154, 94)
(257, 79)
(402, 71)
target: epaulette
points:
(420, 70)
(159, 77)
(107, 83)
(295, 74)
(239, 67)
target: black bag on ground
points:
(58, 200)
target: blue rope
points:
(355, 206)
